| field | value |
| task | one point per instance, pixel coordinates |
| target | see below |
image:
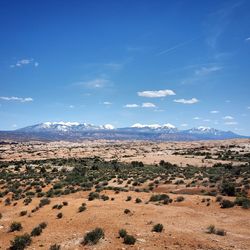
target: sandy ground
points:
(184, 223)
(126, 151)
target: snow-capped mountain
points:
(65, 127)
(79, 131)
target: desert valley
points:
(139, 194)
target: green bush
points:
(92, 238)
(22, 213)
(138, 200)
(20, 242)
(129, 240)
(81, 209)
(122, 233)
(36, 231)
(15, 226)
(93, 196)
(157, 228)
(226, 204)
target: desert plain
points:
(197, 191)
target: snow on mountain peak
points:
(154, 126)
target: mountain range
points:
(74, 131)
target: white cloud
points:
(248, 107)
(228, 117)
(156, 93)
(71, 106)
(23, 62)
(148, 105)
(97, 83)
(187, 101)
(207, 70)
(107, 103)
(131, 105)
(214, 112)
(14, 98)
(231, 123)
(184, 125)
(196, 118)
(206, 120)
(247, 39)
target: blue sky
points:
(124, 62)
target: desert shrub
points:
(157, 228)
(44, 201)
(159, 197)
(126, 211)
(122, 233)
(1, 216)
(180, 199)
(43, 225)
(7, 201)
(27, 200)
(20, 242)
(226, 204)
(242, 201)
(55, 247)
(228, 188)
(22, 213)
(104, 197)
(129, 239)
(36, 231)
(59, 216)
(15, 226)
(65, 203)
(93, 196)
(211, 229)
(91, 238)
(81, 208)
(138, 200)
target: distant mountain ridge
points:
(74, 131)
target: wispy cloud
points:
(107, 103)
(187, 101)
(207, 70)
(24, 62)
(18, 99)
(148, 105)
(247, 39)
(97, 83)
(143, 105)
(196, 118)
(131, 105)
(184, 125)
(156, 93)
(214, 112)
(228, 117)
(175, 47)
(218, 21)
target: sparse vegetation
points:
(157, 228)
(20, 242)
(92, 238)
